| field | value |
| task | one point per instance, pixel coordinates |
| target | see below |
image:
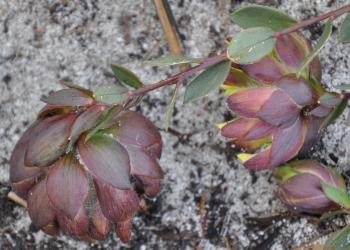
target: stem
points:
(180, 76)
(332, 14)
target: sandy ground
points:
(43, 42)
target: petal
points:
(49, 140)
(76, 87)
(123, 230)
(238, 78)
(51, 229)
(143, 164)
(151, 186)
(313, 125)
(252, 145)
(292, 49)
(87, 120)
(287, 142)
(106, 159)
(18, 170)
(68, 97)
(327, 175)
(79, 226)
(50, 110)
(117, 205)
(266, 70)
(238, 128)
(279, 109)
(101, 226)
(67, 186)
(260, 130)
(39, 208)
(260, 161)
(321, 111)
(135, 129)
(249, 101)
(298, 89)
(22, 188)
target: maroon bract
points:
(83, 165)
(300, 186)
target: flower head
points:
(300, 186)
(279, 118)
(83, 165)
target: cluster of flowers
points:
(83, 165)
(279, 117)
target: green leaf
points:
(337, 195)
(344, 35)
(316, 85)
(126, 76)
(339, 240)
(332, 214)
(206, 82)
(344, 86)
(335, 113)
(105, 120)
(171, 106)
(261, 16)
(111, 94)
(251, 45)
(320, 44)
(173, 60)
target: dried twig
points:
(167, 20)
(16, 199)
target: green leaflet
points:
(111, 94)
(344, 34)
(320, 44)
(170, 109)
(173, 60)
(207, 81)
(337, 195)
(261, 16)
(251, 45)
(339, 240)
(126, 76)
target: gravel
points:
(43, 42)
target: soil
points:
(208, 200)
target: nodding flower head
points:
(83, 165)
(277, 122)
(279, 116)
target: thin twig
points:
(332, 14)
(16, 199)
(180, 76)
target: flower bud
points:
(300, 186)
(83, 165)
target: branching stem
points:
(180, 76)
(302, 24)
(222, 57)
